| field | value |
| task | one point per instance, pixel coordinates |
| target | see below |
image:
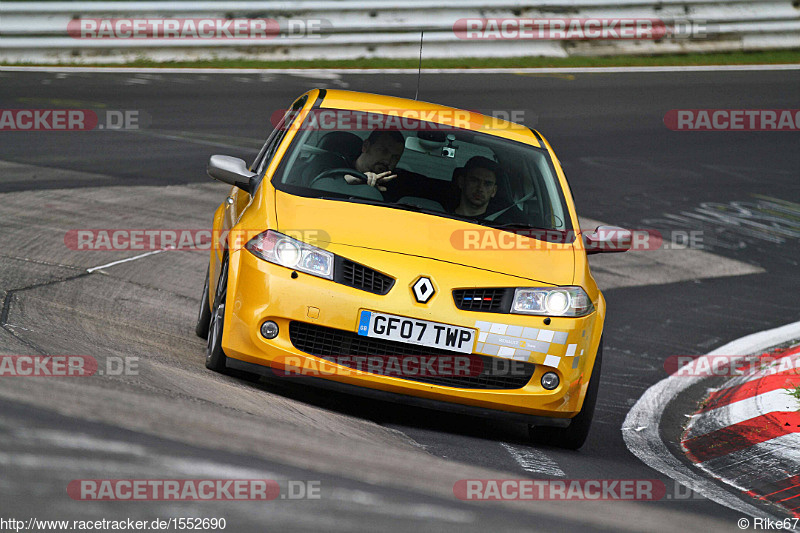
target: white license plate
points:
(415, 331)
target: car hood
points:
(321, 222)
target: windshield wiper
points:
(542, 234)
(522, 225)
(368, 201)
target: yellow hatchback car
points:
(410, 252)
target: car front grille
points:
(490, 300)
(356, 275)
(329, 344)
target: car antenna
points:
(419, 69)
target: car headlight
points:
(282, 250)
(560, 301)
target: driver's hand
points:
(373, 180)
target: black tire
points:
(215, 357)
(203, 313)
(573, 436)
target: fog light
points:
(550, 380)
(269, 330)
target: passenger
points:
(477, 185)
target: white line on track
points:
(382, 506)
(18, 327)
(323, 71)
(186, 139)
(534, 461)
(79, 441)
(654, 267)
(646, 444)
(134, 258)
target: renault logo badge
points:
(423, 290)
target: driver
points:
(379, 156)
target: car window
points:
(261, 157)
(274, 140)
(433, 163)
(441, 168)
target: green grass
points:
(733, 58)
(796, 394)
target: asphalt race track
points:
(379, 466)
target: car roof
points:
(471, 120)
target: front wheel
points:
(204, 313)
(215, 357)
(573, 436)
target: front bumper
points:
(260, 291)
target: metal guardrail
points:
(37, 31)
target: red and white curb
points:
(747, 433)
(642, 436)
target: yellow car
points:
(411, 252)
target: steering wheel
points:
(342, 171)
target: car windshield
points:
(439, 170)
